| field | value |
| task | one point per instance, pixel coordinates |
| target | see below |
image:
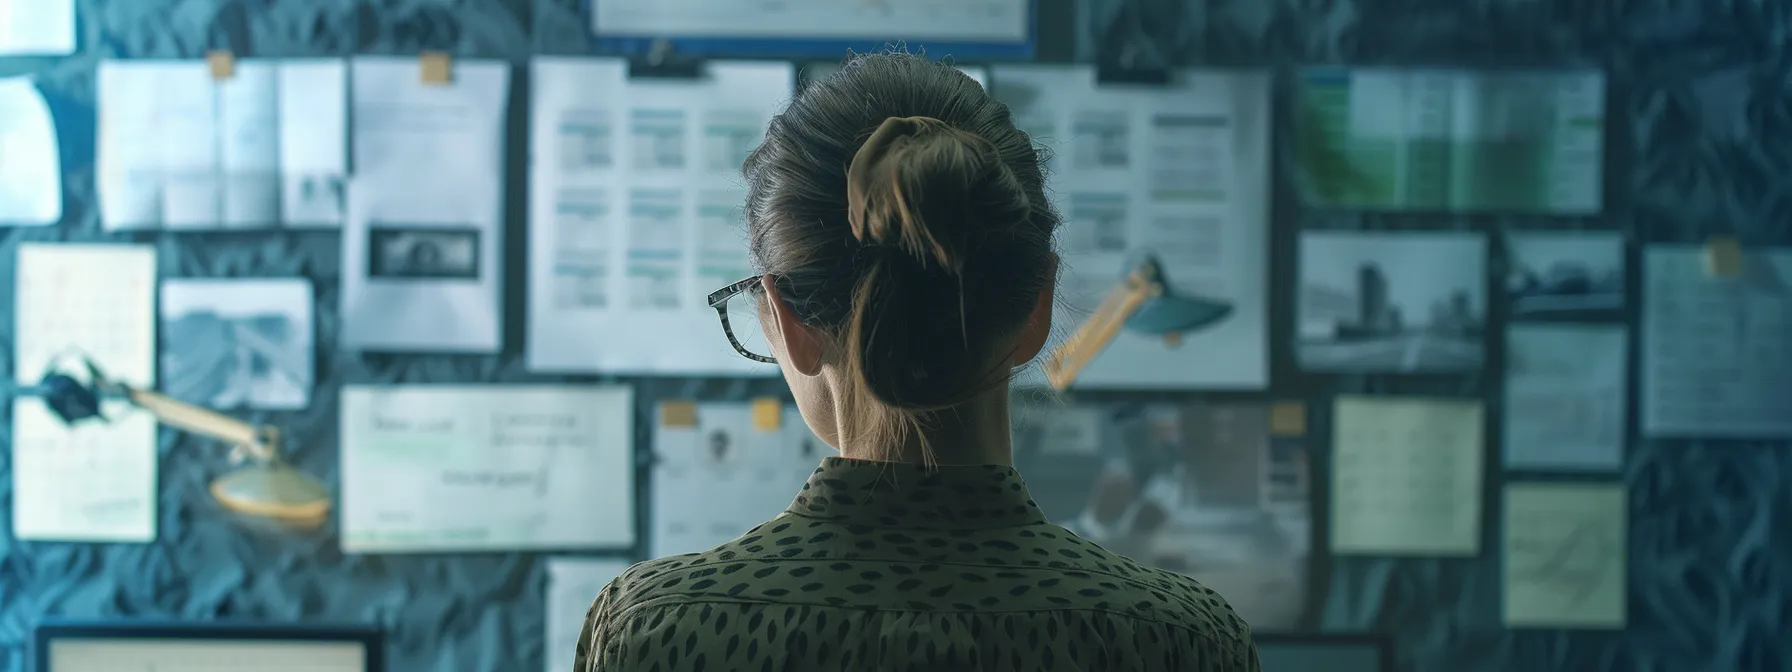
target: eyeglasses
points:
(738, 307)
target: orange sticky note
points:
(1723, 257)
(221, 63)
(436, 67)
(678, 413)
(1288, 418)
(768, 414)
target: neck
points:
(975, 432)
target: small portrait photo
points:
(1551, 274)
(410, 252)
(232, 344)
(718, 448)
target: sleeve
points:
(595, 644)
(1247, 657)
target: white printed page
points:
(1715, 354)
(313, 166)
(180, 149)
(717, 479)
(486, 468)
(636, 205)
(30, 164)
(573, 584)
(37, 27)
(1178, 173)
(1566, 387)
(422, 249)
(94, 482)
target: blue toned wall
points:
(1700, 141)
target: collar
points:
(896, 494)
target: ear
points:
(1039, 323)
(795, 344)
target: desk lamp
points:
(1142, 303)
(266, 488)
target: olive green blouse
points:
(882, 566)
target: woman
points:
(901, 223)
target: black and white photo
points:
(238, 343)
(1565, 274)
(1392, 302)
(423, 253)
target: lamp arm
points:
(261, 442)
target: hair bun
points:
(916, 178)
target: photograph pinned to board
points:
(238, 343)
(1164, 193)
(1551, 274)
(404, 251)
(1209, 490)
(1392, 302)
(1565, 396)
(721, 468)
(30, 162)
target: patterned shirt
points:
(883, 566)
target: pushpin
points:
(768, 414)
(222, 64)
(436, 67)
(1723, 257)
(678, 413)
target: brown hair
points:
(898, 208)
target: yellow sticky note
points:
(678, 413)
(1288, 418)
(436, 67)
(1565, 554)
(1723, 257)
(768, 414)
(221, 63)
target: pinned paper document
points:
(1723, 257)
(221, 63)
(768, 414)
(678, 413)
(436, 67)
(30, 159)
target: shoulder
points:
(1197, 607)
(1117, 583)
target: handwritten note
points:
(1564, 557)
(1406, 476)
(471, 468)
(1565, 394)
(572, 585)
(95, 481)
